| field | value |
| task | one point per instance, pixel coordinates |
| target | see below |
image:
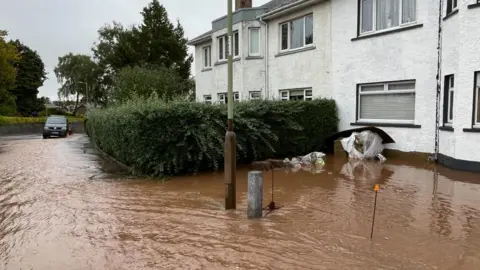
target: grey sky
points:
(57, 27)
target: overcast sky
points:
(56, 27)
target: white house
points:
(410, 67)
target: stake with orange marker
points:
(376, 189)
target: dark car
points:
(57, 126)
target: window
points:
(296, 33)
(392, 102)
(448, 99)
(207, 99)
(296, 94)
(254, 41)
(223, 97)
(207, 57)
(451, 6)
(223, 46)
(377, 15)
(476, 103)
(255, 95)
(236, 44)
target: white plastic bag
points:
(371, 145)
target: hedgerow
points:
(165, 139)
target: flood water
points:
(64, 207)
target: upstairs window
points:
(223, 46)
(451, 6)
(254, 41)
(207, 57)
(297, 33)
(378, 15)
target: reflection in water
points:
(62, 207)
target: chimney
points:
(242, 4)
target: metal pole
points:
(86, 90)
(377, 188)
(230, 166)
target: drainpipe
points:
(439, 80)
(266, 55)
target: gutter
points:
(288, 8)
(266, 55)
(439, 81)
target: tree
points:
(77, 74)
(8, 56)
(145, 82)
(155, 42)
(30, 76)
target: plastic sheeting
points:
(364, 145)
(313, 162)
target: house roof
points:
(274, 4)
(269, 6)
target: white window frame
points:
(207, 63)
(450, 102)
(223, 48)
(289, 35)
(207, 99)
(249, 41)
(476, 123)
(452, 4)
(252, 93)
(223, 97)
(236, 53)
(385, 91)
(307, 93)
(374, 19)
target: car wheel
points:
(45, 137)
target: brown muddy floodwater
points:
(62, 207)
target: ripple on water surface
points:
(64, 207)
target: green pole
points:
(230, 166)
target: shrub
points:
(5, 120)
(165, 139)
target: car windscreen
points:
(56, 120)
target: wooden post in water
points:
(377, 188)
(255, 194)
(230, 138)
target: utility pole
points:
(230, 166)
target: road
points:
(64, 207)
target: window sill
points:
(223, 62)
(476, 5)
(387, 32)
(451, 14)
(206, 69)
(446, 128)
(253, 57)
(386, 125)
(472, 130)
(303, 49)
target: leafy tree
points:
(8, 56)
(145, 82)
(30, 76)
(154, 42)
(77, 74)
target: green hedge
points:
(165, 139)
(7, 120)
